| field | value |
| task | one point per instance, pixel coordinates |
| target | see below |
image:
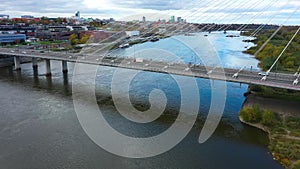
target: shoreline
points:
(280, 106)
(283, 108)
(258, 126)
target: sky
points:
(198, 11)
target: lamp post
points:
(276, 71)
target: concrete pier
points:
(64, 66)
(34, 63)
(17, 63)
(48, 67)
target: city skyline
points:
(227, 11)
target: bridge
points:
(278, 80)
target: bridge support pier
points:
(48, 67)
(17, 63)
(64, 66)
(34, 63)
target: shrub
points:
(286, 162)
(269, 118)
(251, 114)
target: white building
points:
(132, 33)
(3, 16)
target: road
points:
(280, 80)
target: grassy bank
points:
(284, 133)
(276, 93)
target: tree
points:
(251, 114)
(269, 118)
(83, 38)
(45, 20)
(61, 20)
(73, 39)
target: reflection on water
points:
(39, 127)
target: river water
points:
(39, 127)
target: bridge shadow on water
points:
(60, 84)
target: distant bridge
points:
(278, 80)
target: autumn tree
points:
(83, 38)
(73, 39)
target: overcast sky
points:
(212, 11)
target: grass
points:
(297, 165)
(48, 42)
(276, 93)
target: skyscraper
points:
(77, 14)
(172, 19)
(179, 19)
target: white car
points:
(236, 75)
(296, 82)
(263, 73)
(187, 69)
(24, 52)
(264, 78)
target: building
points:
(111, 20)
(132, 33)
(172, 19)
(58, 29)
(144, 19)
(27, 17)
(12, 38)
(18, 29)
(3, 16)
(77, 14)
(179, 20)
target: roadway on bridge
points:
(280, 80)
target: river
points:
(39, 127)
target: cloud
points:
(227, 11)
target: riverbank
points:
(290, 59)
(276, 111)
(281, 120)
(283, 107)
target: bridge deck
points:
(278, 80)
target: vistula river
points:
(39, 127)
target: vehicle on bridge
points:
(264, 73)
(295, 82)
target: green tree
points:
(269, 118)
(251, 114)
(290, 61)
